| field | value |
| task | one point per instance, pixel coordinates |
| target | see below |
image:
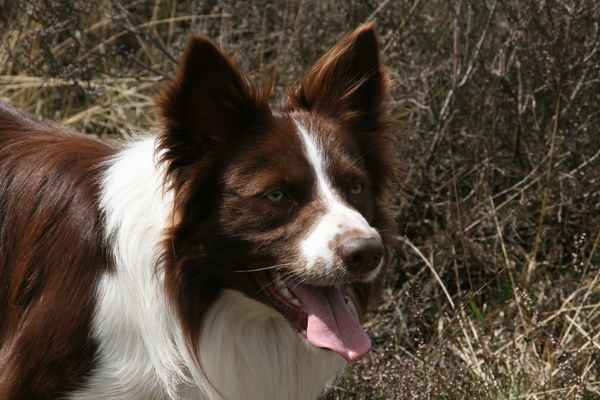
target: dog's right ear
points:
(208, 98)
(347, 84)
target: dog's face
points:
(285, 206)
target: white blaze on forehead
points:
(338, 218)
(317, 159)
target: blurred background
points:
(494, 292)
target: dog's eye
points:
(357, 188)
(276, 195)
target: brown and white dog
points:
(232, 256)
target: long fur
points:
(149, 271)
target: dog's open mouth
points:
(320, 312)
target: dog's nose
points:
(361, 254)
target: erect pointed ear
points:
(347, 82)
(209, 98)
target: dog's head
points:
(287, 206)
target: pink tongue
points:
(330, 323)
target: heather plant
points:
(493, 292)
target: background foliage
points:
(494, 292)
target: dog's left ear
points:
(347, 83)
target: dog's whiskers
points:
(267, 268)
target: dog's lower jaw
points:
(247, 342)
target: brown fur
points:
(47, 189)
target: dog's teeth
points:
(286, 292)
(279, 282)
(283, 289)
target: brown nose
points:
(361, 254)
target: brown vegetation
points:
(494, 293)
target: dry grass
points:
(494, 293)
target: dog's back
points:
(48, 185)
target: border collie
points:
(232, 256)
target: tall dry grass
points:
(494, 291)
